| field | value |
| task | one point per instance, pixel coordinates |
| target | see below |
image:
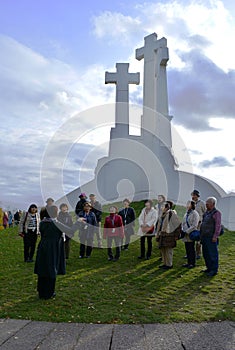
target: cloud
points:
(203, 91)
(38, 95)
(201, 75)
(215, 162)
(118, 26)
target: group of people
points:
(7, 219)
(160, 222)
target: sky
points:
(54, 55)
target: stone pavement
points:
(30, 335)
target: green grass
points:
(129, 291)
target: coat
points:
(5, 219)
(128, 219)
(148, 219)
(168, 229)
(66, 219)
(97, 210)
(113, 226)
(192, 217)
(80, 205)
(50, 259)
(88, 229)
(200, 208)
(24, 222)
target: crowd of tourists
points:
(9, 219)
(199, 230)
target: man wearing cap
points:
(201, 209)
(49, 202)
(80, 203)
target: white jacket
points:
(148, 219)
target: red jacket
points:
(113, 226)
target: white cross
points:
(122, 78)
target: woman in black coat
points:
(50, 260)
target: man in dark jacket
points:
(128, 218)
(86, 230)
(210, 231)
(67, 220)
(97, 210)
(80, 203)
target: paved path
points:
(30, 335)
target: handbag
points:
(195, 235)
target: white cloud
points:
(118, 25)
(177, 21)
(37, 95)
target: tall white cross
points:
(122, 78)
(155, 99)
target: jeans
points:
(210, 254)
(86, 243)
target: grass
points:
(129, 291)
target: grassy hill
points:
(128, 291)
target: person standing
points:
(67, 220)
(201, 209)
(86, 230)
(210, 231)
(10, 219)
(168, 231)
(147, 222)
(17, 217)
(80, 203)
(128, 218)
(189, 224)
(96, 208)
(29, 230)
(160, 204)
(113, 231)
(50, 259)
(5, 219)
(49, 202)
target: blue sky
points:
(53, 58)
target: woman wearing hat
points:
(29, 230)
(88, 225)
